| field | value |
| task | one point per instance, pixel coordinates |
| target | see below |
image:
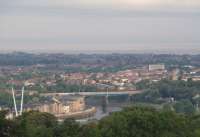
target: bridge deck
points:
(94, 93)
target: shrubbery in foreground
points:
(131, 122)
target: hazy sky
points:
(113, 25)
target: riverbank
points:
(78, 115)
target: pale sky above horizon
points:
(125, 25)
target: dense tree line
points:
(131, 122)
(185, 95)
(116, 60)
(168, 88)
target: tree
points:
(69, 128)
(35, 124)
(90, 130)
(131, 122)
(144, 122)
(184, 106)
(5, 125)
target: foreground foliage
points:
(131, 122)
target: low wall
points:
(78, 115)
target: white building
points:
(153, 67)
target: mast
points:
(22, 101)
(107, 92)
(15, 106)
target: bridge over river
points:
(103, 93)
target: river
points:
(105, 106)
